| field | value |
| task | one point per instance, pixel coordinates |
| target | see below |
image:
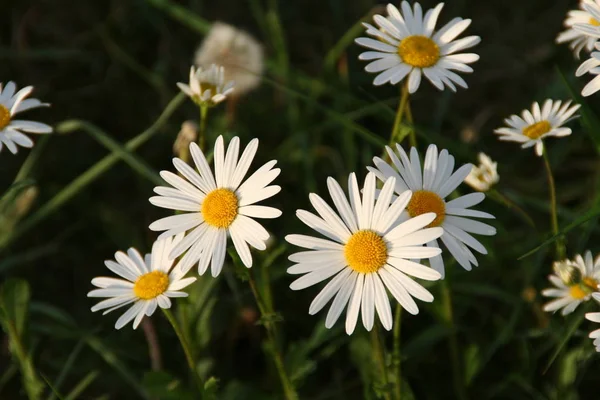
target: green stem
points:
(560, 250)
(412, 137)
(399, 113)
(501, 198)
(454, 354)
(32, 159)
(202, 131)
(379, 352)
(31, 382)
(288, 388)
(396, 358)
(186, 349)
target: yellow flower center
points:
(594, 22)
(538, 129)
(220, 207)
(590, 283)
(150, 285)
(424, 201)
(577, 292)
(419, 51)
(366, 252)
(4, 116)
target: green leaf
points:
(211, 388)
(14, 303)
(164, 386)
(472, 362)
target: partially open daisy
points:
(591, 66)
(207, 86)
(11, 130)
(483, 176)
(575, 281)
(405, 44)
(217, 208)
(147, 282)
(577, 39)
(595, 317)
(366, 251)
(541, 122)
(431, 185)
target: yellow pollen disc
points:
(577, 292)
(365, 252)
(4, 116)
(594, 22)
(538, 129)
(150, 285)
(590, 283)
(419, 51)
(219, 208)
(424, 201)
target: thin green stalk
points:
(399, 113)
(32, 384)
(412, 137)
(286, 383)
(202, 131)
(396, 358)
(501, 198)
(379, 352)
(67, 367)
(189, 356)
(560, 249)
(89, 176)
(32, 159)
(454, 354)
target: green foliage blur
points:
(109, 69)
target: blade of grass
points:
(111, 359)
(53, 389)
(135, 162)
(586, 217)
(32, 158)
(183, 15)
(89, 176)
(66, 368)
(575, 322)
(82, 385)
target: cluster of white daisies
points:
(379, 236)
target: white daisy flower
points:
(595, 317)
(541, 122)
(578, 40)
(147, 282)
(237, 51)
(405, 44)
(366, 251)
(573, 289)
(484, 176)
(214, 209)
(11, 130)
(592, 66)
(430, 186)
(207, 86)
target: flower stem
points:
(286, 383)
(379, 352)
(454, 355)
(186, 349)
(396, 357)
(503, 199)
(560, 249)
(402, 108)
(202, 131)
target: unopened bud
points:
(187, 135)
(568, 272)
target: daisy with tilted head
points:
(483, 176)
(575, 281)
(207, 86)
(365, 251)
(579, 40)
(533, 126)
(591, 66)
(11, 130)
(147, 282)
(431, 184)
(406, 44)
(217, 206)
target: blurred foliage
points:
(113, 65)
